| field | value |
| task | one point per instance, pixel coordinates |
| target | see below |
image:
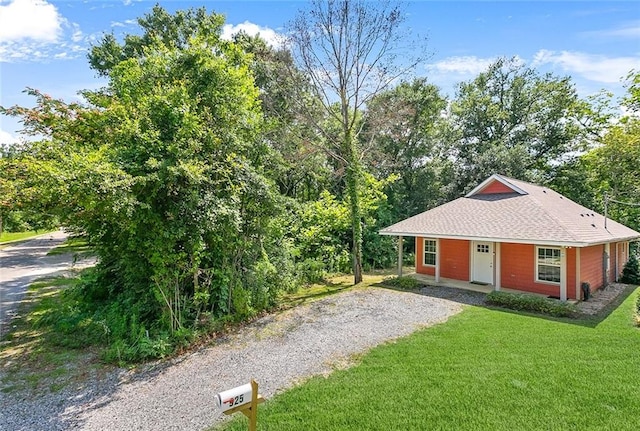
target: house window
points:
(430, 252)
(482, 248)
(548, 264)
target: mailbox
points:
(244, 399)
(234, 397)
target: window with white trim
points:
(429, 252)
(548, 264)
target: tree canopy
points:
(514, 121)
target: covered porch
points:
(457, 284)
(448, 282)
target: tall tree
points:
(300, 170)
(514, 121)
(403, 137)
(349, 50)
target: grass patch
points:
(38, 354)
(18, 236)
(483, 369)
(73, 244)
(333, 285)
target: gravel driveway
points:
(23, 263)
(277, 350)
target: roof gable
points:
(496, 184)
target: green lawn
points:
(484, 369)
(16, 236)
(73, 244)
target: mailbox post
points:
(243, 399)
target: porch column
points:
(578, 281)
(606, 264)
(497, 266)
(617, 266)
(400, 256)
(563, 274)
(437, 273)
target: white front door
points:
(482, 262)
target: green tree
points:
(300, 169)
(348, 51)
(512, 120)
(163, 170)
(631, 272)
(403, 136)
(632, 98)
(610, 166)
(613, 169)
(159, 27)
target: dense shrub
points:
(534, 303)
(404, 283)
(631, 271)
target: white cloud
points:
(593, 67)
(124, 23)
(29, 19)
(7, 138)
(466, 66)
(269, 35)
(630, 30)
(34, 30)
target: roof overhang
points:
(510, 240)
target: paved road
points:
(21, 264)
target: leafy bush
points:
(310, 271)
(631, 271)
(534, 303)
(404, 283)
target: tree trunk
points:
(353, 184)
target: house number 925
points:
(238, 399)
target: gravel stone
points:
(601, 298)
(278, 351)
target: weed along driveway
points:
(22, 263)
(277, 350)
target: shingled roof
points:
(507, 210)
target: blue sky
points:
(43, 43)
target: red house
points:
(511, 234)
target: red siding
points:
(518, 270)
(454, 259)
(495, 187)
(591, 266)
(420, 268)
(518, 265)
